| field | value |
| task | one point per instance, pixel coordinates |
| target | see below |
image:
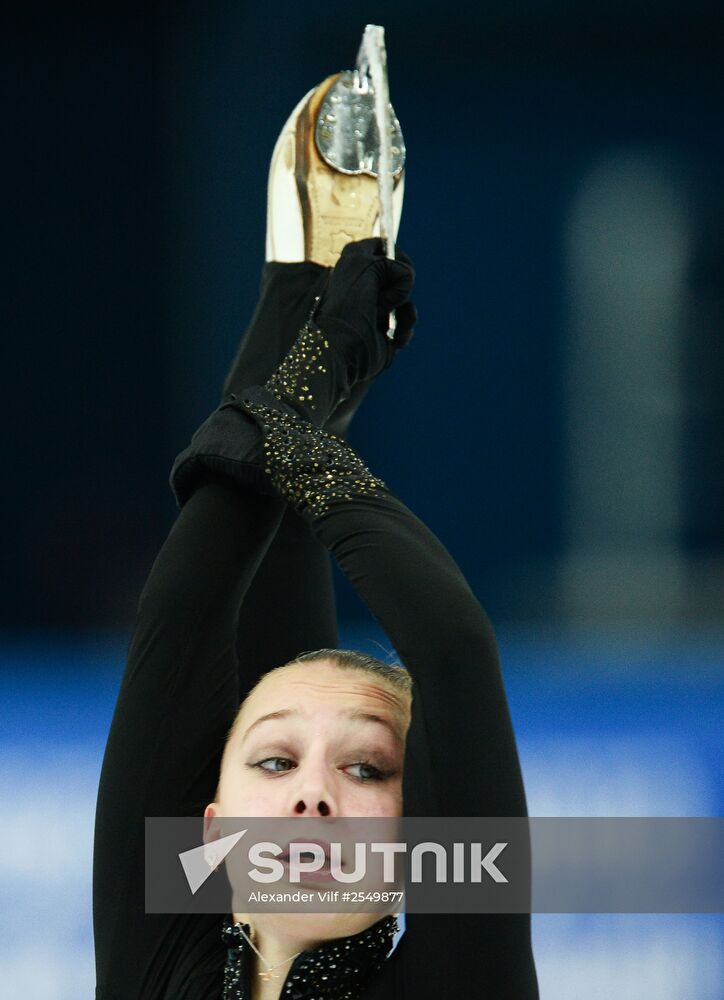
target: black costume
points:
(243, 584)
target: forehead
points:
(322, 686)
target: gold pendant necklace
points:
(267, 974)
(270, 974)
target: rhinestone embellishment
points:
(336, 970)
(293, 381)
(310, 468)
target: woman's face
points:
(315, 739)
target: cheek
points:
(242, 795)
(254, 799)
(374, 801)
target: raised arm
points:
(461, 758)
(178, 696)
(416, 591)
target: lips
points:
(308, 856)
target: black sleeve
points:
(178, 697)
(413, 587)
(415, 590)
(461, 758)
(290, 606)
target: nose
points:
(321, 809)
(312, 794)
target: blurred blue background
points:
(557, 420)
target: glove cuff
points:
(305, 465)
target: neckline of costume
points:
(339, 968)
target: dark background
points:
(138, 140)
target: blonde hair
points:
(395, 673)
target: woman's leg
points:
(178, 697)
(286, 297)
(290, 606)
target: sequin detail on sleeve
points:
(294, 379)
(310, 468)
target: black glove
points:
(363, 289)
(345, 341)
(341, 418)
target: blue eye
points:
(275, 760)
(280, 765)
(370, 773)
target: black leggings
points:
(242, 584)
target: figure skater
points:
(237, 701)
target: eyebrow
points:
(353, 714)
(281, 714)
(358, 715)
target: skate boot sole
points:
(337, 208)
